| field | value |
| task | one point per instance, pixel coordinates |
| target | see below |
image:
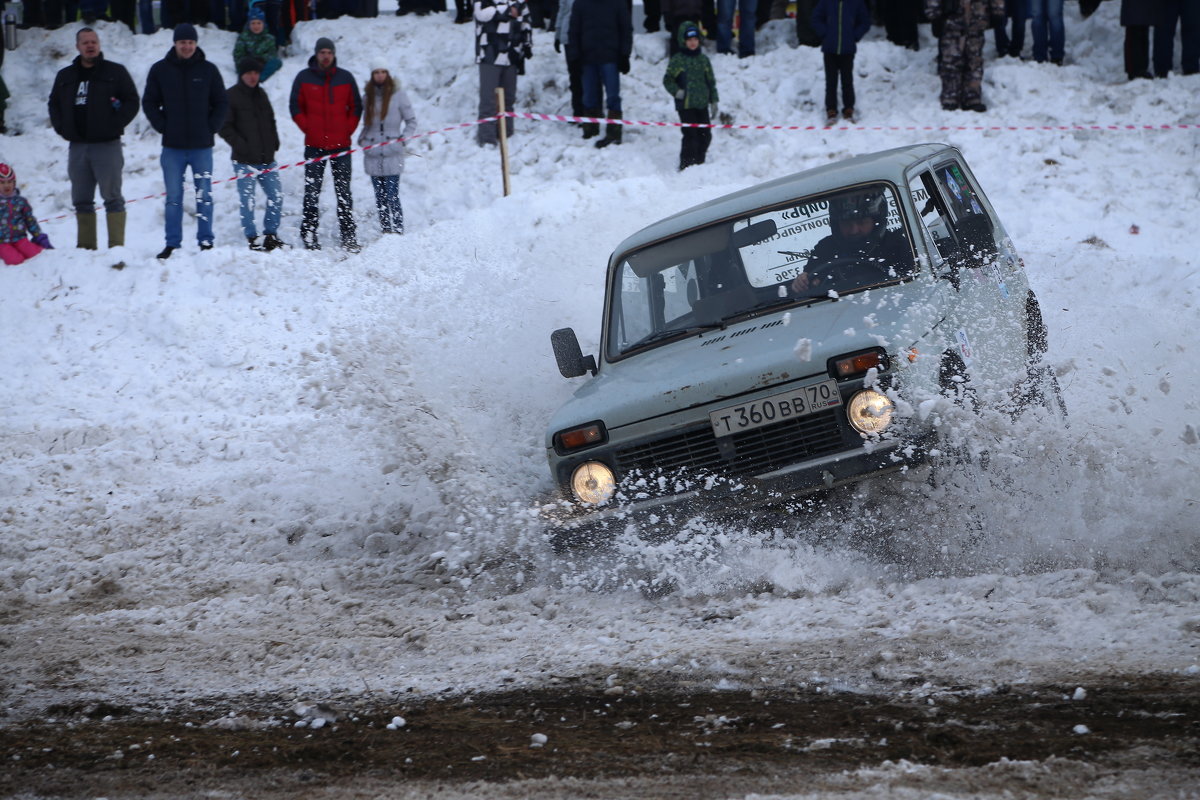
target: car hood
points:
(758, 353)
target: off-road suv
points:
(791, 337)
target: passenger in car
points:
(858, 238)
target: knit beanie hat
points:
(379, 63)
(692, 32)
(185, 30)
(249, 64)
(7, 173)
(256, 12)
(324, 43)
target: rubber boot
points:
(591, 129)
(85, 225)
(116, 228)
(612, 135)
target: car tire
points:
(1040, 388)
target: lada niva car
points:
(790, 338)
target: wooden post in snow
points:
(502, 129)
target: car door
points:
(971, 251)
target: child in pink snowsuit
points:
(17, 223)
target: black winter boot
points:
(591, 129)
(612, 135)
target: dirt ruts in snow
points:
(1063, 741)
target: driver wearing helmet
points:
(859, 236)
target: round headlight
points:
(870, 412)
(593, 483)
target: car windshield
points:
(815, 249)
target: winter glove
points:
(712, 111)
(680, 94)
(527, 50)
(624, 65)
(939, 27)
(557, 46)
(43, 241)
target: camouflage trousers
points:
(960, 66)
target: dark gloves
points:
(939, 27)
(557, 46)
(527, 50)
(624, 65)
(43, 241)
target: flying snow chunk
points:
(1081, 729)
(538, 740)
(397, 723)
(1080, 693)
(803, 350)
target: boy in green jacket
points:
(691, 82)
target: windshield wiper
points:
(691, 330)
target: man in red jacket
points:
(326, 105)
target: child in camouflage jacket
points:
(256, 41)
(691, 82)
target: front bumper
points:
(722, 495)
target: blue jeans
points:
(1046, 19)
(387, 200)
(608, 77)
(747, 9)
(270, 185)
(174, 161)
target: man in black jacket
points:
(185, 101)
(600, 35)
(252, 135)
(91, 103)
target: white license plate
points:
(776, 408)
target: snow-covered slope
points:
(244, 472)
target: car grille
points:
(752, 452)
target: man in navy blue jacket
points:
(185, 101)
(600, 35)
(840, 24)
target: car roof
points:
(884, 165)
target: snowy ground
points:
(303, 474)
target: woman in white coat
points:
(387, 116)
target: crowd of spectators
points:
(93, 99)
(1150, 25)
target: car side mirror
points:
(572, 363)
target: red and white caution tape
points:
(731, 126)
(669, 124)
(317, 160)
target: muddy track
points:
(602, 734)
